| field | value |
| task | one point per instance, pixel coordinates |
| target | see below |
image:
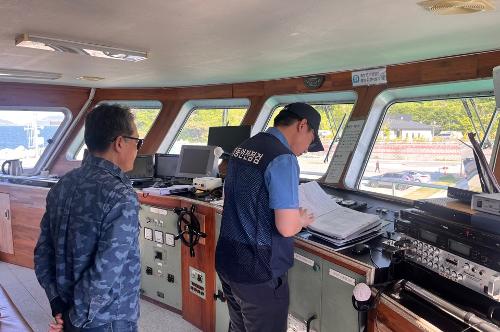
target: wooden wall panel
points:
(256, 104)
(385, 319)
(486, 62)
(200, 312)
(6, 241)
(162, 125)
(27, 208)
(453, 69)
(37, 95)
(247, 90)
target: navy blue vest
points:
(250, 248)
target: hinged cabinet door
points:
(337, 312)
(221, 310)
(305, 278)
(6, 243)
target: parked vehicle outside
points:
(419, 177)
(390, 179)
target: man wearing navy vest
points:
(261, 216)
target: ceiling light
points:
(450, 7)
(69, 46)
(90, 78)
(28, 74)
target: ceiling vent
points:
(452, 7)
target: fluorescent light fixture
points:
(69, 46)
(28, 74)
(90, 78)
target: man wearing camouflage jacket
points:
(87, 256)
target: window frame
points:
(78, 141)
(318, 98)
(58, 135)
(330, 98)
(188, 108)
(378, 111)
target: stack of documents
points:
(172, 190)
(336, 224)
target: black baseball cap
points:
(306, 111)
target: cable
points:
(371, 258)
(470, 327)
(491, 312)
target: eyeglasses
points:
(140, 141)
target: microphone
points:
(218, 152)
(362, 297)
(362, 292)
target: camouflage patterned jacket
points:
(88, 251)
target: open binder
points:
(334, 223)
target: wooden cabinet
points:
(6, 243)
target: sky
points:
(25, 117)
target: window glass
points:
(145, 114)
(422, 147)
(195, 129)
(333, 119)
(25, 134)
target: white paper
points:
(343, 222)
(148, 234)
(303, 259)
(315, 200)
(342, 277)
(331, 219)
(158, 236)
(169, 190)
(170, 239)
(343, 151)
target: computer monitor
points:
(166, 165)
(143, 167)
(197, 161)
(228, 137)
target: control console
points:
(458, 269)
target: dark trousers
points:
(115, 326)
(257, 307)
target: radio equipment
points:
(457, 252)
(476, 245)
(489, 203)
(458, 269)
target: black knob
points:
(219, 295)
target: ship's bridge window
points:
(195, 117)
(30, 134)
(422, 146)
(335, 109)
(145, 113)
(333, 119)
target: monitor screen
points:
(166, 165)
(228, 137)
(196, 161)
(143, 167)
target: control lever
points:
(188, 225)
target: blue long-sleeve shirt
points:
(88, 250)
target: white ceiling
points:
(205, 42)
